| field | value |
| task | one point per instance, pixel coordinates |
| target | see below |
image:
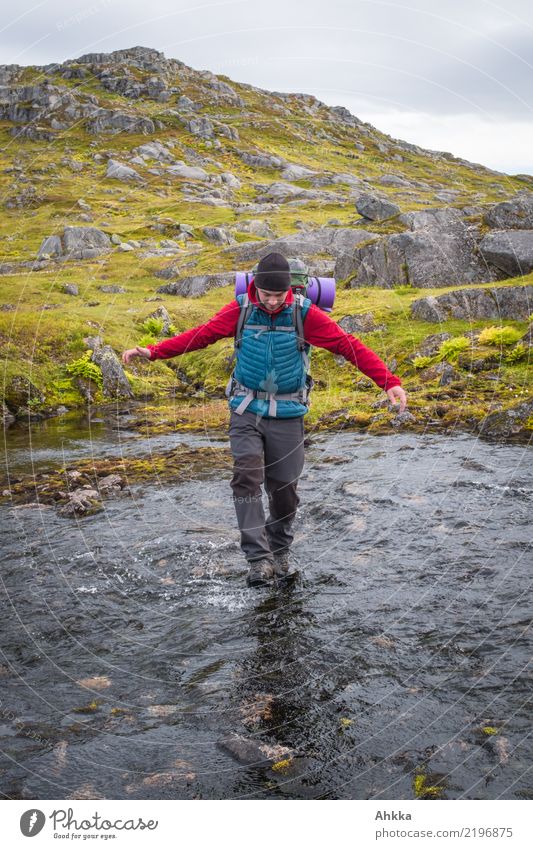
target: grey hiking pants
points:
(269, 451)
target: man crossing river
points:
(268, 399)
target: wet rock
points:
(76, 243)
(360, 323)
(253, 752)
(509, 250)
(194, 287)
(510, 422)
(402, 419)
(514, 214)
(507, 302)
(82, 502)
(118, 171)
(110, 484)
(375, 208)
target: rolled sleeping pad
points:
(320, 290)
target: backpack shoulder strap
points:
(246, 309)
(298, 321)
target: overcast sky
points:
(453, 75)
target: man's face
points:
(271, 300)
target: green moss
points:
(83, 367)
(499, 336)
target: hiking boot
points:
(261, 572)
(284, 566)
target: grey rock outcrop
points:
(514, 302)
(115, 383)
(514, 214)
(375, 208)
(508, 423)
(113, 121)
(189, 172)
(330, 240)
(422, 258)
(509, 250)
(118, 171)
(360, 323)
(218, 235)
(260, 160)
(76, 243)
(197, 285)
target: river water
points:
(396, 667)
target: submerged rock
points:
(254, 752)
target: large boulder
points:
(155, 150)
(115, 383)
(76, 243)
(189, 172)
(118, 171)
(111, 121)
(197, 285)
(515, 302)
(334, 241)
(444, 219)
(296, 172)
(509, 250)
(423, 258)
(260, 160)
(511, 422)
(375, 208)
(514, 214)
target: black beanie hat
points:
(273, 273)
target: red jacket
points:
(319, 330)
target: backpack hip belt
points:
(235, 389)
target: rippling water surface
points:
(397, 666)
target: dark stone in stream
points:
(254, 752)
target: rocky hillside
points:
(129, 178)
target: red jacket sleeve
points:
(222, 324)
(322, 331)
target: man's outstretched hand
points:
(397, 394)
(135, 352)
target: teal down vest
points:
(269, 363)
